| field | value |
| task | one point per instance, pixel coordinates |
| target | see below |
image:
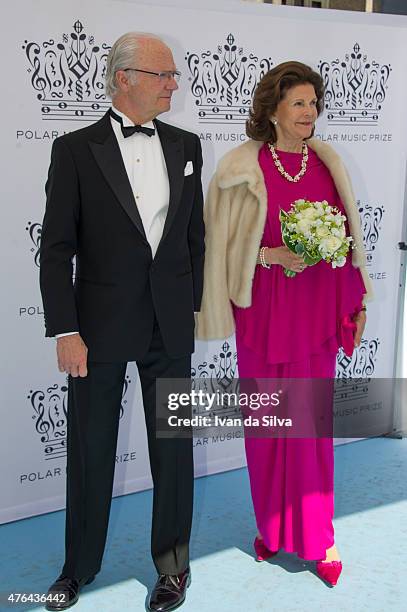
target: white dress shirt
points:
(145, 166)
(147, 172)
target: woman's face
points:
(296, 113)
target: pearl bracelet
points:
(262, 258)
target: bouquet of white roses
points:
(315, 231)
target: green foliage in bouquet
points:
(315, 231)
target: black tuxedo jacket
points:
(91, 213)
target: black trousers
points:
(93, 422)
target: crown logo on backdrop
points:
(34, 230)
(50, 416)
(219, 375)
(223, 82)
(354, 88)
(371, 218)
(361, 364)
(69, 76)
(353, 384)
(222, 370)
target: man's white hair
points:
(122, 55)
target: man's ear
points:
(122, 81)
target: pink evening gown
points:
(292, 330)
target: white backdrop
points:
(55, 55)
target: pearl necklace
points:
(280, 168)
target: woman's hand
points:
(286, 258)
(360, 320)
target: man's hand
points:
(72, 355)
(360, 320)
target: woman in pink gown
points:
(292, 478)
(292, 326)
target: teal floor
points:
(370, 524)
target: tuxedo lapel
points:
(107, 153)
(173, 149)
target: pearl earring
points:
(274, 121)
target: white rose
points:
(342, 232)
(330, 244)
(310, 213)
(304, 226)
(322, 231)
(339, 232)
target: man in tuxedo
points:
(124, 196)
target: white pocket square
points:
(188, 168)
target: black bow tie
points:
(131, 129)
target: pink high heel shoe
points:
(262, 552)
(329, 571)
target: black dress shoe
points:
(64, 592)
(169, 591)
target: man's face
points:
(150, 96)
